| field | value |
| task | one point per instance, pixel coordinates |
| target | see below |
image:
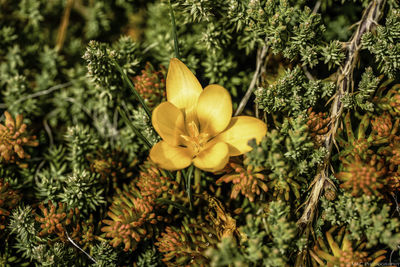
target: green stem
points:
(167, 173)
(132, 87)
(197, 179)
(173, 203)
(137, 132)
(189, 185)
(174, 35)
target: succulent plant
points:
(151, 85)
(383, 126)
(340, 251)
(153, 183)
(132, 219)
(167, 193)
(247, 180)
(111, 165)
(58, 220)
(363, 176)
(13, 137)
(185, 245)
(357, 143)
(390, 102)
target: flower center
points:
(195, 140)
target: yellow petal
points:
(239, 131)
(169, 123)
(170, 157)
(183, 88)
(213, 158)
(214, 109)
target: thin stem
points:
(316, 6)
(173, 203)
(189, 185)
(130, 124)
(197, 180)
(308, 74)
(78, 247)
(174, 35)
(48, 131)
(260, 57)
(62, 32)
(168, 174)
(40, 93)
(132, 87)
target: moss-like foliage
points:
(364, 216)
(79, 80)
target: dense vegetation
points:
(79, 79)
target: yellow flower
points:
(196, 125)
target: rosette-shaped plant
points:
(152, 183)
(185, 246)
(247, 180)
(367, 177)
(357, 143)
(132, 220)
(55, 219)
(391, 101)
(391, 152)
(86, 231)
(342, 252)
(196, 125)
(155, 185)
(111, 165)
(13, 137)
(382, 125)
(151, 85)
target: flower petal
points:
(214, 109)
(183, 88)
(168, 121)
(213, 158)
(240, 131)
(170, 157)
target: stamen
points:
(195, 139)
(193, 130)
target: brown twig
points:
(316, 6)
(62, 32)
(308, 74)
(261, 53)
(345, 85)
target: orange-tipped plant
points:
(340, 251)
(391, 101)
(151, 85)
(56, 218)
(132, 219)
(247, 180)
(152, 183)
(13, 137)
(111, 165)
(382, 125)
(185, 246)
(361, 176)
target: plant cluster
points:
(199, 133)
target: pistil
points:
(195, 139)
